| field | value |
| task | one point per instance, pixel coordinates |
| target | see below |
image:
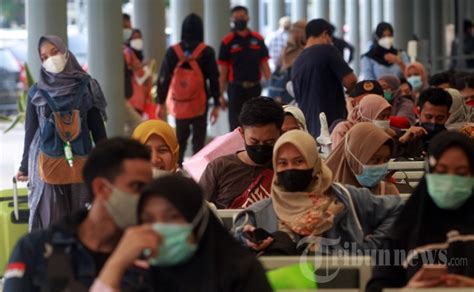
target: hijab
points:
(392, 80)
(376, 52)
(421, 221)
(219, 263)
(138, 53)
(65, 82)
(295, 44)
(458, 113)
(363, 141)
(298, 114)
(420, 69)
(192, 31)
(163, 130)
(367, 110)
(303, 213)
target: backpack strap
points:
(180, 54)
(346, 192)
(198, 50)
(194, 56)
(49, 100)
(60, 273)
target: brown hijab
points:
(304, 213)
(363, 141)
(295, 44)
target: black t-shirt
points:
(100, 258)
(317, 83)
(243, 56)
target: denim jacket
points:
(362, 225)
(27, 269)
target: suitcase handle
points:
(16, 211)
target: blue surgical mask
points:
(449, 191)
(175, 247)
(415, 82)
(371, 174)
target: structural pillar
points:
(460, 6)
(365, 24)
(321, 9)
(106, 63)
(421, 18)
(377, 13)
(389, 11)
(403, 13)
(299, 10)
(277, 10)
(149, 17)
(352, 19)
(336, 16)
(436, 29)
(216, 21)
(43, 17)
(179, 9)
(254, 14)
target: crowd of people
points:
(123, 213)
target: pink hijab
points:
(368, 110)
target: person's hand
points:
(419, 281)
(412, 133)
(134, 241)
(222, 102)
(258, 247)
(161, 111)
(20, 176)
(392, 58)
(215, 114)
(335, 208)
(453, 280)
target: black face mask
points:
(295, 180)
(260, 154)
(240, 25)
(432, 129)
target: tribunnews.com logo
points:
(323, 258)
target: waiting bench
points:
(407, 172)
(346, 273)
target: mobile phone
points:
(257, 236)
(431, 272)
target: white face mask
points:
(157, 173)
(382, 124)
(137, 44)
(55, 64)
(122, 207)
(126, 34)
(386, 42)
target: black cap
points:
(367, 87)
(316, 27)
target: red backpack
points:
(187, 96)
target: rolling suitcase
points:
(14, 215)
